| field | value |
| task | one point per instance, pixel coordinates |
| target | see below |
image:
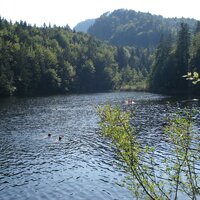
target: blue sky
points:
(62, 12)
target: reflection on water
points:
(82, 165)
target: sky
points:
(71, 12)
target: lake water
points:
(81, 166)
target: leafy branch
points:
(146, 179)
(194, 77)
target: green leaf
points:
(195, 75)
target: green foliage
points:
(51, 60)
(173, 62)
(194, 77)
(127, 27)
(184, 141)
(163, 70)
(145, 176)
(182, 56)
(6, 83)
(195, 53)
(47, 60)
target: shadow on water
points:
(79, 166)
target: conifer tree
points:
(182, 56)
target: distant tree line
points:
(51, 60)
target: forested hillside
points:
(175, 43)
(51, 60)
(127, 27)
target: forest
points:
(128, 27)
(173, 60)
(56, 60)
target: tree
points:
(7, 87)
(145, 176)
(182, 57)
(51, 82)
(163, 71)
(171, 63)
(87, 76)
(67, 74)
(122, 57)
(195, 53)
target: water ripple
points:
(80, 166)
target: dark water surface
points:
(81, 165)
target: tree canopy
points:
(50, 60)
(128, 27)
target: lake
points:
(82, 165)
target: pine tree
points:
(182, 56)
(161, 68)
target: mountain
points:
(84, 26)
(128, 27)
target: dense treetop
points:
(49, 60)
